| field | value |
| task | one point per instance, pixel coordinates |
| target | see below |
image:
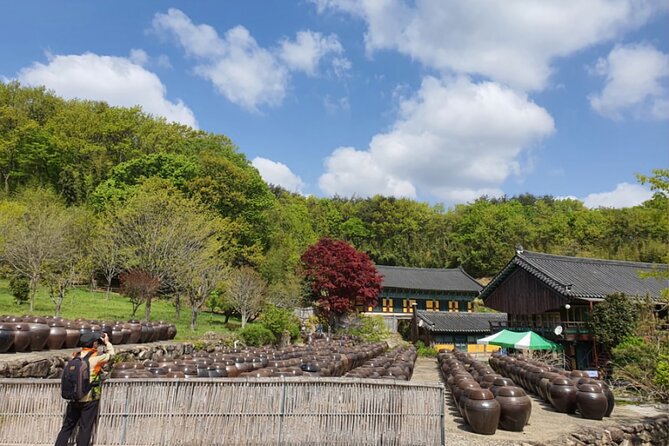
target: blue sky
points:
(432, 100)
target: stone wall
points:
(49, 364)
(651, 431)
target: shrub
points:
(277, 320)
(256, 335)
(643, 365)
(369, 328)
(614, 319)
(425, 351)
(20, 289)
(661, 378)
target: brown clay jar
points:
(609, 396)
(488, 379)
(463, 402)
(499, 383)
(40, 333)
(22, 336)
(57, 335)
(516, 408)
(117, 335)
(563, 395)
(71, 335)
(460, 386)
(591, 401)
(135, 332)
(6, 337)
(483, 411)
(544, 382)
(217, 371)
(459, 392)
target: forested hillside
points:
(97, 159)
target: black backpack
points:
(76, 380)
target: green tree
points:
(71, 264)
(245, 292)
(35, 241)
(159, 231)
(613, 319)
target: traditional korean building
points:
(431, 289)
(554, 296)
(455, 330)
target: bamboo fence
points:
(253, 411)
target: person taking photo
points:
(84, 411)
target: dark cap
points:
(90, 337)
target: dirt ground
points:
(545, 424)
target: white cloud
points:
(513, 42)
(116, 80)
(334, 105)
(454, 140)
(637, 80)
(624, 195)
(352, 172)
(308, 49)
(278, 174)
(139, 56)
(239, 68)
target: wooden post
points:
(594, 344)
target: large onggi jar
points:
(6, 337)
(563, 395)
(483, 411)
(516, 408)
(591, 401)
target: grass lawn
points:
(84, 303)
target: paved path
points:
(426, 371)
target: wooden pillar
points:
(594, 344)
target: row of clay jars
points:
(25, 333)
(536, 376)
(478, 406)
(233, 363)
(515, 405)
(397, 364)
(561, 388)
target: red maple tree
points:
(340, 277)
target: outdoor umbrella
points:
(527, 340)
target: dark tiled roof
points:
(586, 278)
(445, 322)
(436, 279)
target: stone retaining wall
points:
(647, 431)
(49, 364)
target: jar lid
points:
(480, 394)
(563, 381)
(468, 384)
(590, 388)
(510, 391)
(503, 382)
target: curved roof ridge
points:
(592, 260)
(541, 270)
(419, 268)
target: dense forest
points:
(97, 159)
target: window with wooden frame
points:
(470, 307)
(407, 305)
(387, 306)
(432, 305)
(452, 306)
